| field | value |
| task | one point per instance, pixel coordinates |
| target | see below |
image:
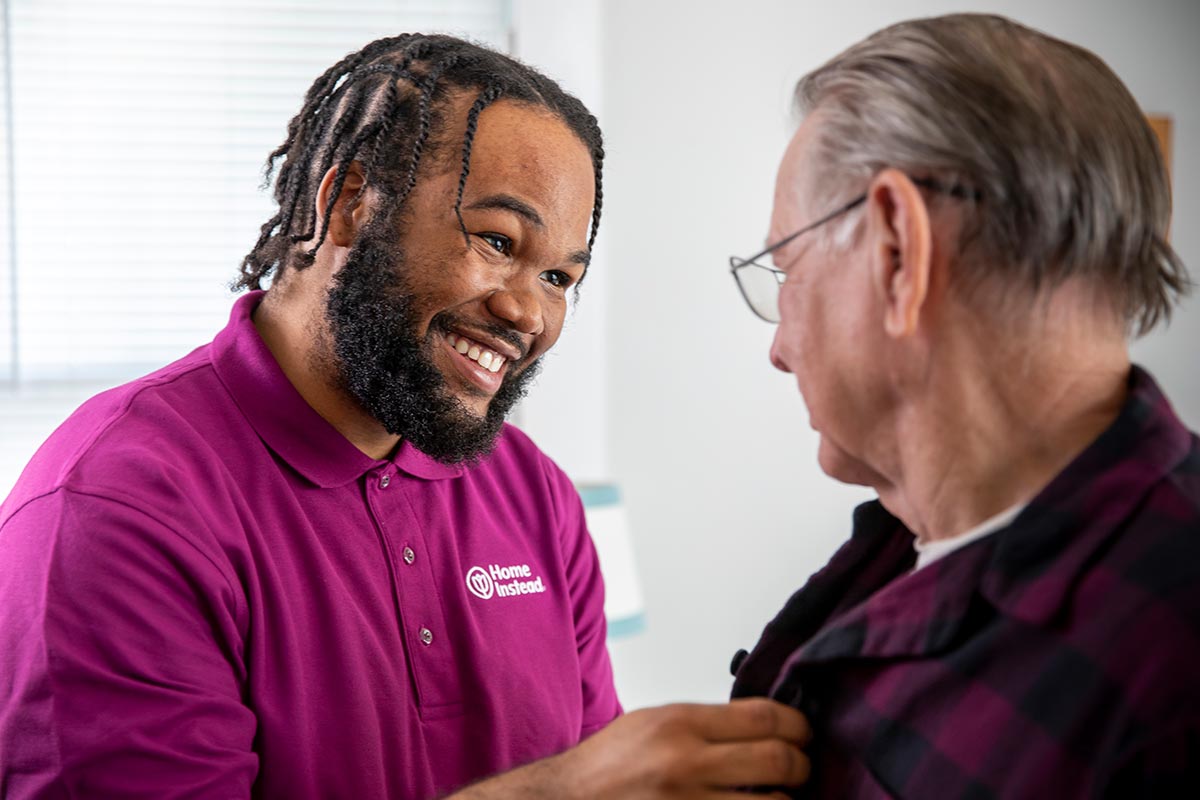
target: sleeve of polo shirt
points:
(120, 650)
(600, 704)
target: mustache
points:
(447, 321)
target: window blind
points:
(138, 132)
(132, 139)
(7, 273)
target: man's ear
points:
(349, 211)
(901, 255)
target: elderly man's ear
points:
(349, 210)
(901, 250)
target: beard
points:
(380, 359)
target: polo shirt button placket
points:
(384, 481)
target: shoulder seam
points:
(68, 464)
(108, 496)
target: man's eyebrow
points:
(506, 202)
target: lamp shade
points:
(609, 526)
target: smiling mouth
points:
(489, 360)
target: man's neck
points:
(290, 338)
(988, 433)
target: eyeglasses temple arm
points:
(831, 215)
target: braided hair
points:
(384, 107)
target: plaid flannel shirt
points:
(1057, 658)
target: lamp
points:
(609, 526)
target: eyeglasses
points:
(759, 284)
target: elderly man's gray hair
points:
(1067, 174)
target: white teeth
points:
(492, 362)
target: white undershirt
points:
(929, 552)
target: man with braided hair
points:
(309, 559)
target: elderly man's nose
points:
(776, 358)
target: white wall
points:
(567, 412)
(711, 444)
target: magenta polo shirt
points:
(206, 591)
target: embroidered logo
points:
(498, 581)
(480, 583)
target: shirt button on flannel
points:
(426, 636)
(384, 481)
(409, 555)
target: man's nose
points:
(519, 306)
(777, 359)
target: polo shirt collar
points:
(286, 422)
(412, 461)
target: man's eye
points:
(557, 278)
(501, 244)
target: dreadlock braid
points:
(286, 192)
(598, 166)
(357, 105)
(485, 99)
(383, 107)
(423, 124)
(321, 86)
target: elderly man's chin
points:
(840, 465)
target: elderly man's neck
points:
(1002, 409)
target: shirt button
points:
(426, 636)
(409, 555)
(384, 481)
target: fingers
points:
(751, 719)
(769, 762)
(693, 750)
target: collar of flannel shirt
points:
(867, 604)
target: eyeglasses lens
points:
(760, 287)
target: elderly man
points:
(968, 224)
(270, 569)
